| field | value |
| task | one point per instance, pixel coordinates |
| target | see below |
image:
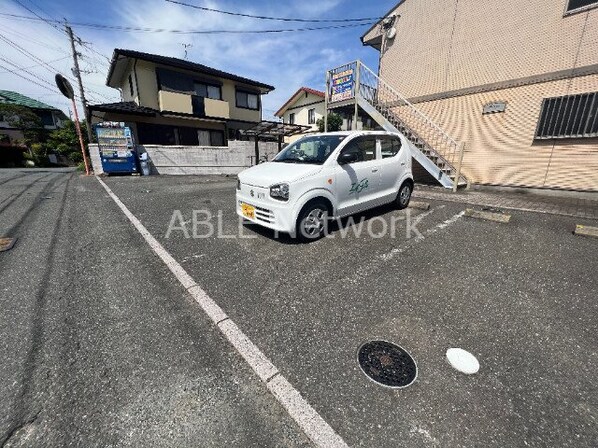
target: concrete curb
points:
(7, 244)
(488, 216)
(586, 231)
(460, 200)
(419, 205)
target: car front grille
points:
(264, 215)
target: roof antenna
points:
(186, 46)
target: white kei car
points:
(326, 176)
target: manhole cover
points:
(387, 364)
(6, 243)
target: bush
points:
(335, 122)
(40, 154)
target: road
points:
(104, 347)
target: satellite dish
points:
(64, 86)
(391, 33)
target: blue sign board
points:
(342, 85)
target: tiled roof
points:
(127, 107)
(9, 97)
(183, 64)
(290, 100)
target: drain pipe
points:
(459, 164)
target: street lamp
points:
(66, 89)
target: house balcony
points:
(198, 106)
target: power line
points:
(33, 75)
(15, 72)
(44, 64)
(100, 26)
(37, 15)
(280, 19)
(28, 38)
(48, 62)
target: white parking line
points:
(310, 422)
(399, 250)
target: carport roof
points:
(274, 129)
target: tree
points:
(65, 141)
(335, 122)
(25, 119)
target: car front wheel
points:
(312, 221)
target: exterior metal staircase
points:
(432, 147)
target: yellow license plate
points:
(248, 211)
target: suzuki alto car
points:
(326, 176)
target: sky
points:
(285, 60)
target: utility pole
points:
(77, 73)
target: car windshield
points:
(310, 149)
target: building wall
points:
(146, 92)
(444, 45)
(501, 149)
(181, 160)
(451, 57)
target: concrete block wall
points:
(185, 160)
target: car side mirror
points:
(347, 157)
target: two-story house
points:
(306, 106)
(170, 101)
(51, 118)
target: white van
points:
(324, 176)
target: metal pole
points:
(257, 150)
(459, 163)
(78, 128)
(326, 101)
(69, 31)
(355, 93)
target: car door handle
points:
(402, 163)
(374, 170)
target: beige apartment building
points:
(516, 81)
(170, 101)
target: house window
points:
(311, 116)
(210, 138)
(208, 91)
(247, 100)
(131, 85)
(571, 116)
(578, 4)
(291, 118)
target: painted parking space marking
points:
(306, 417)
(444, 224)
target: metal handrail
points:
(407, 102)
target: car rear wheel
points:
(404, 195)
(312, 221)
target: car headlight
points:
(238, 184)
(280, 192)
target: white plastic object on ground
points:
(462, 360)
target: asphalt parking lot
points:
(520, 296)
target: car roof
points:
(350, 133)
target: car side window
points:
(363, 147)
(389, 146)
